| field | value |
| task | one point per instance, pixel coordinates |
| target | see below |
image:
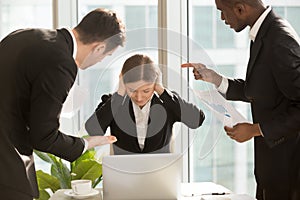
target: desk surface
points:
(188, 193)
(60, 195)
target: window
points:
(23, 14)
(203, 17)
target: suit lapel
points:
(132, 118)
(257, 45)
(254, 51)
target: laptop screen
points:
(141, 176)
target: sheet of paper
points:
(228, 197)
(220, 107)
(209, 191)
(202, 188)
(241, 197)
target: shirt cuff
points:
(262, 134)
(223, 87)
(86, 144)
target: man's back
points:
(31, 61)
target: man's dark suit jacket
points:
(36, 72)
(117, 113)
(272, 86)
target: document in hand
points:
(220, 107)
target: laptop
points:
(142, 176)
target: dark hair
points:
(252, 3)
(139, 67)
(101, 25)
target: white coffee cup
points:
(81, 187)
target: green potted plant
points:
(87, 166)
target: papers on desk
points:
(209, 191)
(228, 197)
(220, 107)
(202, 188)
(241, 197)
(215, 198)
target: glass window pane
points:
(225, 36)
(24, 14)
(279, 11)
(293, 17)
(132, 21)
(214, 156)
(202, 23)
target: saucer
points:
(70, 193)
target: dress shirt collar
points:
(141, 120)
(144, 110)
(74, 43)
(255, 28)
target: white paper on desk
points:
(215, 197)
(241, 197)
(220, 107)
(202, 188)
(228, 197)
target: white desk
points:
(60, 195)
(190, 191)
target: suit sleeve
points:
(101, 119)
(183, 111)
(48, 93)
(235, 90)
(286, 72)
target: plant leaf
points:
(62, 173)
(47, 181)
(88, 169)
(89, 154)
(44, 156)
(97, 181)
(44, 195)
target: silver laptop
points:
(142, 176)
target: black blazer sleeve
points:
(48, 92)
(183, 111)
(236, 91)
(98, 123)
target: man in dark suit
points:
(272, 87)
(37, 69)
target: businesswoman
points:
(142, 112)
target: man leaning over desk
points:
(37, 69)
